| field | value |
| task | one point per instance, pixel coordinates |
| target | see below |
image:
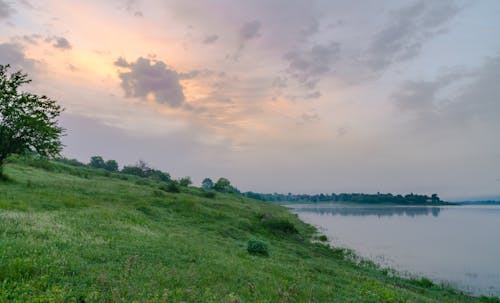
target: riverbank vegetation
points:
(378, 198)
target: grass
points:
(72, 234)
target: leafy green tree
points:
(186, 181)
(111, 165)
(223, 185)
(207, 184)
(28, 122)
(97, 162)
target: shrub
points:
(257, 247)
(281, 225)
(72, 162)
(141, 182)
(487, 299)
(423, 282)
(171, 187)
(133, 170)
(208, 194)
(158, 193)
(323, 238)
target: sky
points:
(276, 95)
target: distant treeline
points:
(482, 202)
(377, 198)
(143, 170)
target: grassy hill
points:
(71, 234)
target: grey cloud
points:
(478, 98)
(151, 77)
(313, 95)
(422, 96)
(310, 117)
(280, 82)
(307, 66)
(210, 39)
(61, 43)
(250, 30)
(13, 54)
(121, 62)
(72, 68)
(132, 7)
(5, 9)
(410, 28)
(32, 39)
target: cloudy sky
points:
(277, 95)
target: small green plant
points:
(257, 247)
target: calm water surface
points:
(456, 244)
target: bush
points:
(257, 247)
(142, 182)
(423, 282)
(487, 299)
(171, 187)
(281, 225)
(323, 238)
(208, 194)
(72, 162)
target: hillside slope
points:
(72, 234)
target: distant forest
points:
(378, 198)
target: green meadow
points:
(73, 234)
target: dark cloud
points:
(210, 39)
(250, 30)
(409, 29)
(5, 9)
(147, 76)
(61, 43)
(308, 66)
(13, 54)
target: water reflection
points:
(379, 211)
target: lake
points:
(459, 245)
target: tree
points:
(28, 122)
(111, 165)
(186, 181)
(207, 184)
(97, 162)
(223, 185)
